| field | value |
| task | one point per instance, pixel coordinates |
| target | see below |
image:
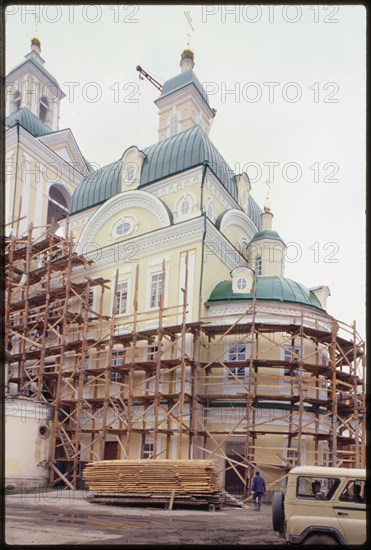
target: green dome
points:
(29, 122)
(98, 187)
(176, 154)
(183, 151)
(266, 234)
(272, 288)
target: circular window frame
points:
(239, 280)
(183, 202)
(44, 431)
(122, 221)
(185, 199)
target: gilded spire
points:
(36, 45)
(187, 59)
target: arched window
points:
(17, 99)
(57, 204)
(174, 123)
(44, 108)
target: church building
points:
(196, 344)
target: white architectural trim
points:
(175, 183)
(215, 186)
(269, 312)
(238, 218)
(36, 148)
(32, 68)
(177, 96)
(219, 245)
(62, 136)
(118, 203)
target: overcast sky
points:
(288, 84)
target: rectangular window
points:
(90, 301)
(117, 359)
(258, 265)
(147, 450)
(324, 458)
(152, 353)
(116, 376)
(291, 354)
(122, 297)
(237, 353)
(155, 289)
(292, 456)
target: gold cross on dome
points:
(266, 206)
(189, 20)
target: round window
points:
(241, 283)
(44, 431)
(210, 210)
(124, 227)
(185, 207)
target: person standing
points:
(258, 489)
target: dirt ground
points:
(65, 517)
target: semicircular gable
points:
(237, 219)
(128, 201)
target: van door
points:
(350, 509)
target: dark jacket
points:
(258, 484)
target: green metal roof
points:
(29, 122)
(176, 154)
(254, 212)
(183, 151)
(98, 187)
(268, 288)
(181, 80)
(170, 156)
(266, 234)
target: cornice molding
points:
(270, 311)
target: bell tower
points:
(183, 102)
(30, 86)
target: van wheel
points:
(315, 540)
(278, 513)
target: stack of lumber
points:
(152, 476)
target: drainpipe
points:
(205, 167)
(16, 174)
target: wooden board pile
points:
(153, 476)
